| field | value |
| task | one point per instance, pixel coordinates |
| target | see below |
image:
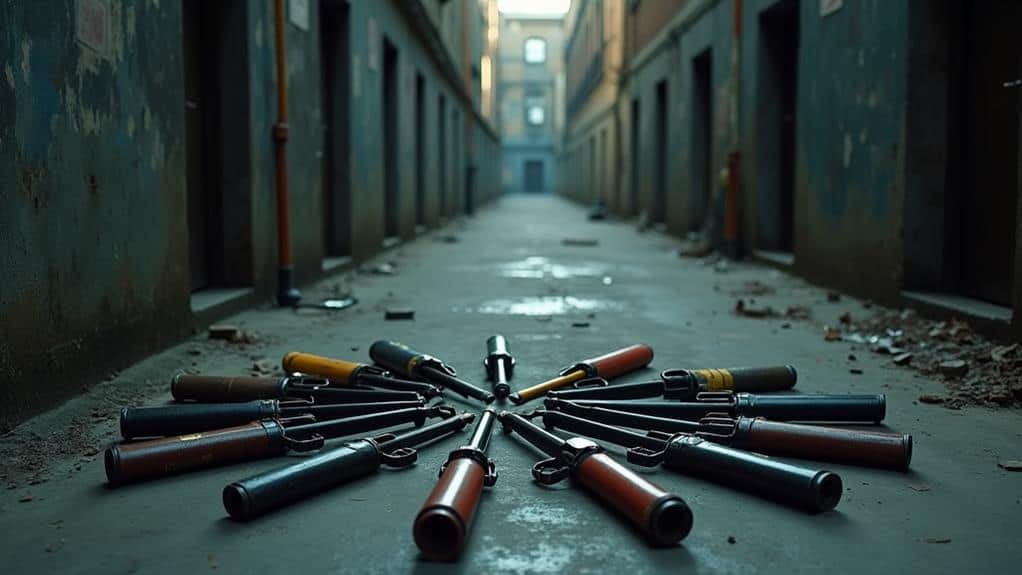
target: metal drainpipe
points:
(287, 295)
(466, 49)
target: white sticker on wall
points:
(828, 7)
(298, 12)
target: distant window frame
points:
(530, 55)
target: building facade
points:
(138, 197)
(531, 93)
(863, 145)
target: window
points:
(535, 51)
(535, 110)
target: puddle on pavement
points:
(538, 267)
(543, 306)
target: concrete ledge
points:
(988, 317)
(211, 304)
(782, 259)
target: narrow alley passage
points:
(560, 288)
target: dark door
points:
(702, 131)
(778, 104)
(420, 150)
(657, 212)
(441, 150)
(534, 176)
(989, 190)
(335, 56)
(391, 168)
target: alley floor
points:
(508, 270)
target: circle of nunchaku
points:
(720, 425)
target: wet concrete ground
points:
(956, 511)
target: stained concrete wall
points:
(92, 178)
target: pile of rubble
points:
(974, 370)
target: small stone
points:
(851, 357)
(855, 371)
(394, 314)
(928, 398)
(953, 368)
(354, 348)
(580, 324)
(919, 487)
(903, 358)
(1010, 464)
(25, 499)
(731, 539)
(831, 334)
(845, 318)
(938, 540)
(750, 310)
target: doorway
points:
(657, 212)
(636, 167)
(420, 150)
(777, 105)
(335, 70)
(441, 150)
(702, 132)
(534, 176)
(391, 166)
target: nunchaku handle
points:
(442, 525)
(853, 446)
(750, 379)
(819, 408)
(221, 389)
(396, 357)
(169, 420)
(129, 462)
(662, 516)
(276, 488)
(615, 363)
(336, 370)
(809, 489)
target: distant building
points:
(530, 89)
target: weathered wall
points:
(92, 179)
(91, 144)
(850, 157)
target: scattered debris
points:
(786, 325)
(1010, 464)
(263, 367)
(695, 249)
(851, 357)
(731, 539)
(831, 334)
(903, 358)
(938, 540)
(194, 351)
(918, 487)
(580, 324)
(580, 242)
(753, 287)
(833, 296)
(1003, 353)
(953, 368)
(797, 312)
(845, 318)
(751, 310)
(930, 398)
(332, 304)
(447, 239)
(399, 314)
(855, 371)
(382, 269)
(25, 498)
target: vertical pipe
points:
(286, 292)
(469, 155)
(731, 208)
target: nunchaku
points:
(809, 489)
(663, 517)
(227, 389)
(685, 384)
(789, 407)
(129, 462)
(259, 494)
(499, 365)
(820, 443)
(353, 373)
(163, 421)
(442, 525)
(410, 363)
(607, 366)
